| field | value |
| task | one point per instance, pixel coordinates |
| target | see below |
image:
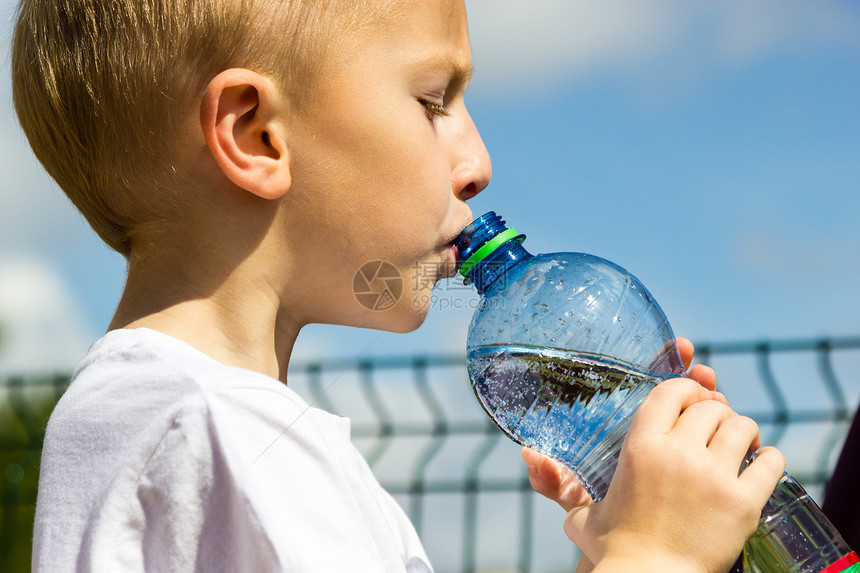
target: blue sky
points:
(711, 148)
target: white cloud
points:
(535, 45)
(41, 328)
(542, 41)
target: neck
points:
(236, 321)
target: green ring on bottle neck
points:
(486, 249)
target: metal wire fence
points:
(462, 483)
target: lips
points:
(456, 252)
(451, 263)
(452, 245)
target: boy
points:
(247, 157)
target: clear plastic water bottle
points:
(563, 348)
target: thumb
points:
(552, 480)
(575, 523)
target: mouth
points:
(451, 262)
(452, 245)
(452, 254)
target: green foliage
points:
(25, 406)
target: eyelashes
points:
(434, 109)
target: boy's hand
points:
(676, 502)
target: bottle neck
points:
(489, 251)
(497, 269)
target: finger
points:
(552, 480)
(664, 404)
(544, 476)
(756, 443)
(762, 475)
(704, 375)
(700, 422)
(734, 438)
(685, 349)
(719, 397)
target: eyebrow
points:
(458, 70)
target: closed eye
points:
(434, 109)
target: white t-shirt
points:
(159, 458)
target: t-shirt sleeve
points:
(182, 512)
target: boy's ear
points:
(237, 114)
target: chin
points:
(405, 316)
(405, 319)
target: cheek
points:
(399, 152)
(415, 176)
(408, 202)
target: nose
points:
(472, 166)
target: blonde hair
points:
(102, 87)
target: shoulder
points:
(160, 392)
(128, 369)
